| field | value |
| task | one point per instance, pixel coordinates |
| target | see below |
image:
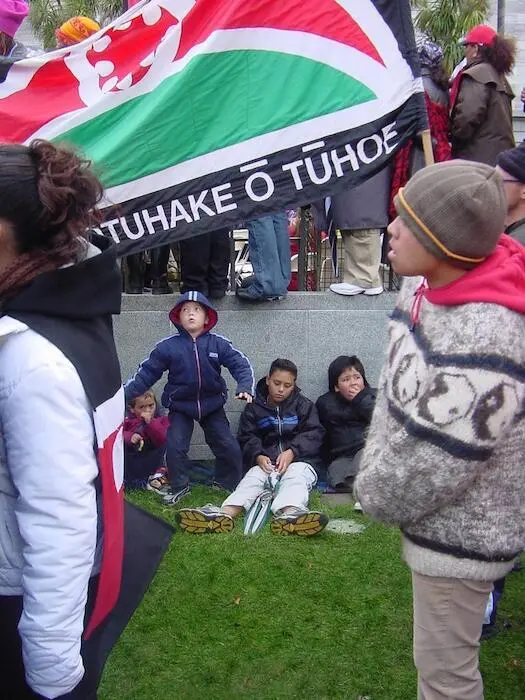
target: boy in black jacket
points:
(345, 412)
(279, 432)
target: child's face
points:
(407, 256)
(280, 385)
(143, 404)
(349, 383)
(193, 317)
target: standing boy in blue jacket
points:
(195, 391)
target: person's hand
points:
(244, 396)
(265, 463)
(284, 460)
(147, 416)
(356, 387)
(138, 440)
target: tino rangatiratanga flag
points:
(201, 114)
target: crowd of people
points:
(437, 450)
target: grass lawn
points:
(269, 618)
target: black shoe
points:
(488, 632)
(246, 295)
(134, 290)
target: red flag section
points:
(324, 17)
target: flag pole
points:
(427, 147)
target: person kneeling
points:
(281, 435)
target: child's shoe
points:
(304, 523)
(358, 507)
(207, 520)
(158, 482)
(174, 495)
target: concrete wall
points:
(310, 328)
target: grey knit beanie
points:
(456, 210)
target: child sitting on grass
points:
(195, 391)
(145, 444)
(279, 432)
(345, 412)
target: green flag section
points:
(200, 114)
(187, 116)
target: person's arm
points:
(148, 373)
(49, 438)
(418, 467)
(249, 437)
(308, 441)
(238, 366)
(364, 403)
(128, 430)
(157, 430)
(470, 110)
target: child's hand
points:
(147, 416)
(265, 463)
(138, 440)
(284, 460)
(244, 396)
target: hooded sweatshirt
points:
(269, 430)
(61, 411)
(445, 452)
(195, 386)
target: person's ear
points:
(268, 380)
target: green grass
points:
(270, 618)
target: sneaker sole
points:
(193, 521)
(305, 526)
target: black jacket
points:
(345, 421)
(268, 430)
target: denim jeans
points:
(269, 246)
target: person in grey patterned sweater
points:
(445, 455)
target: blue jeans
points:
(269, 246)
(220, 440)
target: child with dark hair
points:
(345, 412)
(279, 434)
(145, 444)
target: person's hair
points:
(48, 199)
(501, 54)
(149, 394)
(338, 366)
(284, 366)
(439, 77)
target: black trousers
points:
(13, 684)
(204, 262)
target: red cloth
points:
(155, 431)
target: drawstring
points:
(416, 304)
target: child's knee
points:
(302, 470)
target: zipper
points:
(280, 426)
(198, 377)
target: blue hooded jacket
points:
(195, 386)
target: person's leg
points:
(342, 471)
(246, 492)
(219, 263)
(362, 260)
(159, 270)
(226, 449)
(194, 263)
(448, 614)
(135, 277)
(290, 505)
(264, 258)
(177, 445)
(282, 241)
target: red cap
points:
(482, 35)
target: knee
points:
(299, 470)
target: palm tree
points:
(446, 21)
(46, 15)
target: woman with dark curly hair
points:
(61, 410)
(481, 97)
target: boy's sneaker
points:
(304, 523)
(159, 482)
(358, 507)
(203, 521)
(174, 495)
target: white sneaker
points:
(351, 290)
(358, 507)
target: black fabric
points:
(513, 162)
(269, 430)
(345, 422)
(204, 262)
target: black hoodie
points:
(270, 430)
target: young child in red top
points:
(145, 444)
